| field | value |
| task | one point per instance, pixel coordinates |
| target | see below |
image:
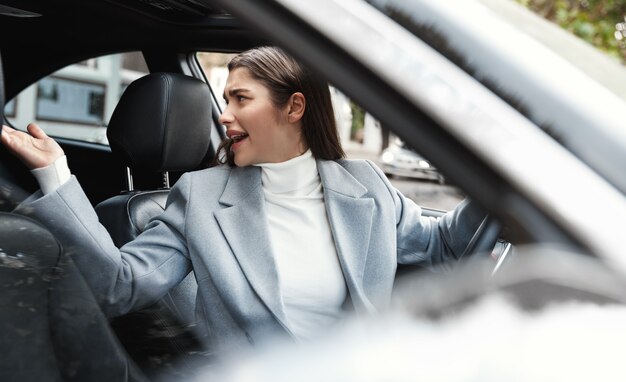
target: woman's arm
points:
(124, 279)
(432, 242)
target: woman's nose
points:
(226, 117)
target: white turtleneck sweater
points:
(312, 286)
(311, 281)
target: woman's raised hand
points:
(36, 150)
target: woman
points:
(284, 237)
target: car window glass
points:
(214, 66)
(363, 137)
(77, 101)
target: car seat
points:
(161, 124)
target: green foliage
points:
(358, 120)
(599, 22)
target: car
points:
(525, 119)
(397, 160)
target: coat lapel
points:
(243, 222)
(350, 217)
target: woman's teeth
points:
(238, 138)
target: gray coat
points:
(215, 223)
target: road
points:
(428, 193)
(423, 192)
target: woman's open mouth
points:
(236, 135)
(236, 138)
(239, 137)
(233, 139)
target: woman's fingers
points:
(36, 131)
(10, 137)
(35, 150)
(7, 129)
(6, 137)
(6, 134)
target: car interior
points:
(165, 124)
(128, 181)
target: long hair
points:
(283, 76)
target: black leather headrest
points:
(162, 123)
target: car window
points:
(500, 49)
(363, 137)
(214, 66)
(77, 101)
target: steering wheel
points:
(484, 239)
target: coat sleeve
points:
(428, 241)
(133, 276)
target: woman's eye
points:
(240, 98)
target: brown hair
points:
(282, 75)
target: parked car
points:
(399, 160)
(525, 119)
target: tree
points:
(602, 23)
(358, 120)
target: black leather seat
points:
(162, 123)
(52, 327)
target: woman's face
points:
(268, 133)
